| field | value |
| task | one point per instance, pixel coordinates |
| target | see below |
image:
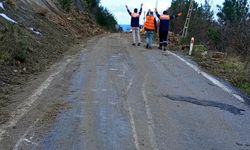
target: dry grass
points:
(12, 3)
(230, 68)
(41, 11)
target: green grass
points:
(245, 86)
(231, 69)
(4, 56)
(237, 75)
(235, 72)
(14, 44)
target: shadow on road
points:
(226, 107)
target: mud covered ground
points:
(24, 54)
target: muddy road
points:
(111, 95)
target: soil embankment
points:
(34, 34)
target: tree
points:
(176, 7)
(201, 19)
(233, 12)
(105, 19)
(102, 16)
(91, 3)
(233, 18)
(207, 12)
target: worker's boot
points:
(164, 49)
(165, 52)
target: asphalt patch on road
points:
(226, 107)
(241, 144)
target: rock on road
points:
(111, 95)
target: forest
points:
(226, 31)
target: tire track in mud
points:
(25, 107)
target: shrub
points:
(106, 19)
(214, 36)
(91, 3)
(65, 4)
(4, 56)
(12, 3)
(41, 11)
(20, 55)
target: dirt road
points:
(111, 95)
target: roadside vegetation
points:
(42, 34)
(226, 35)
(102, 15)
(17, 43)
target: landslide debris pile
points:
(33, 34)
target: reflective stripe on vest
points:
(164, 17)
(150, 24)
(135, 15)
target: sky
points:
(118, 7)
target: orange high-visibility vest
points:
(150, 24)
(135, 15)
(164, 17)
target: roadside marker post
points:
(191, 46)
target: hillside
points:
(34, 34)
(67, 82)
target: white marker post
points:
(191, 46)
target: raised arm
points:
(149, 10)
(141, 9)
(128, 10)
(175, 16)
(157, 14)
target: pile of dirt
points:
(173, 39)
(38, 35)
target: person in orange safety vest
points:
(150, 26)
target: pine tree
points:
(233, 17)
(233, 12)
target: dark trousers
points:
(163, 38)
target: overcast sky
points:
(119, 11)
